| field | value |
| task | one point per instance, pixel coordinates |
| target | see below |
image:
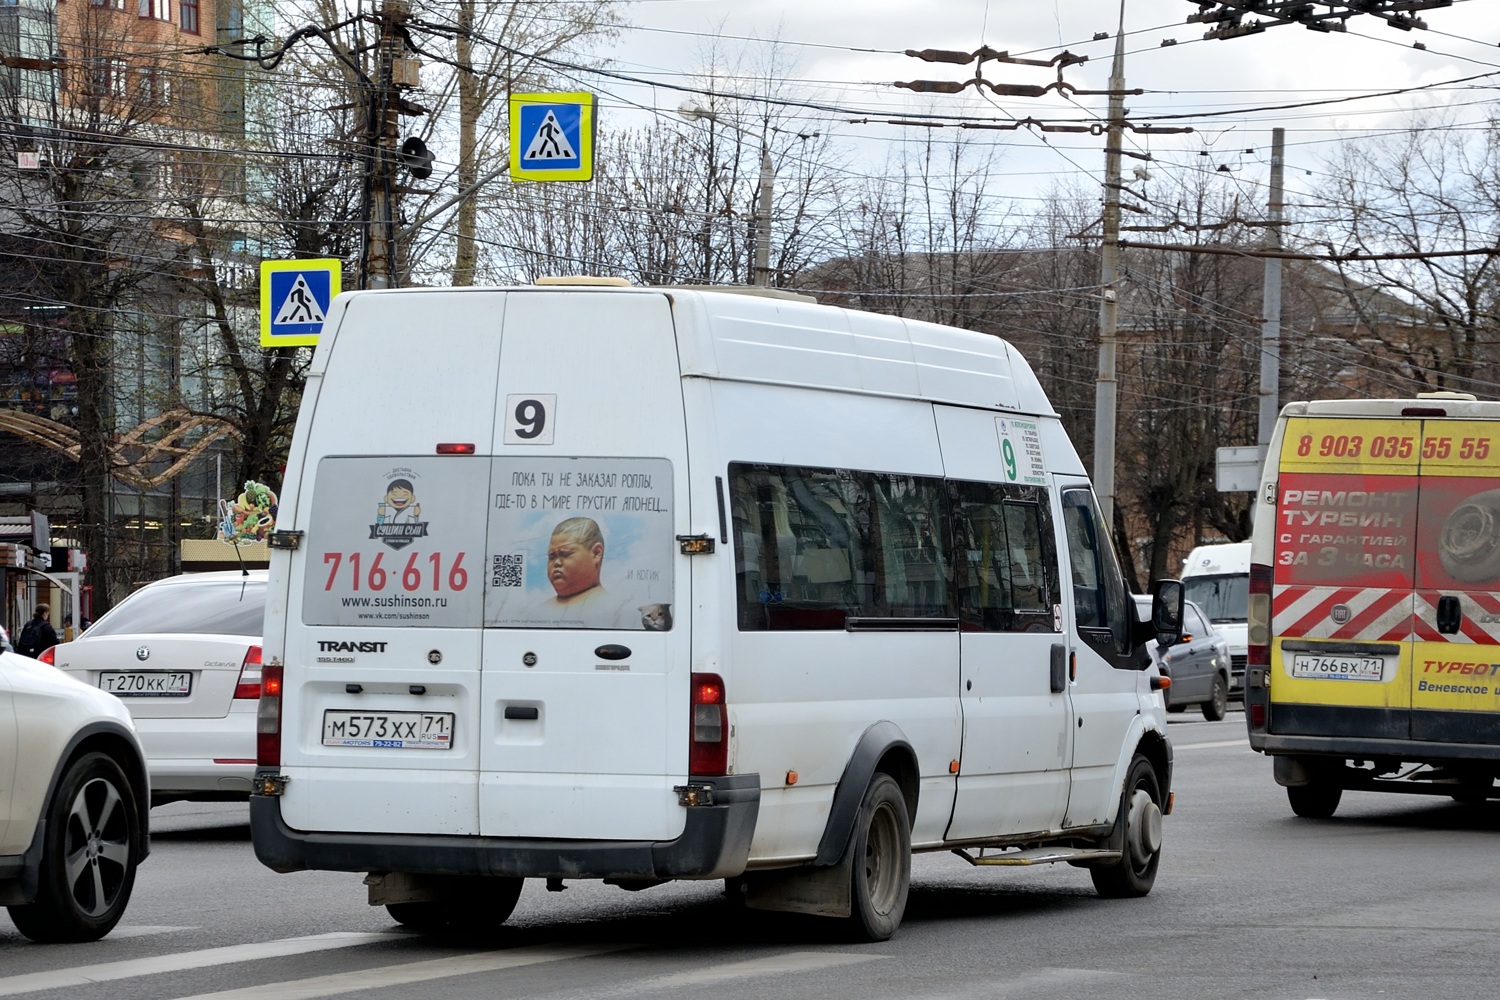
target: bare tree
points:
(1430, 197)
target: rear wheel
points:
(1217, 704)
(89, 857)
(478, 904)
(1140, 816)
(881, 877)
(1315, 800)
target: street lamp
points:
(762, 276)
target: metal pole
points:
(380, 257)
(1106, 386)
(1270, 326)
(763, 220)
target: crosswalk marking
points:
(407, 974)
(773, 965)
(145, 930)
(1209, 746)
(84, 975)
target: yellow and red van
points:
(1374, 616)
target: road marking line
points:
(773, 965)
(405, 975)
(84, 975)
(1207, 746)
(145, 930)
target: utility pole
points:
(381, 257)
(1270, 326)
(1106, 387)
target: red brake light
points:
(249, 685)
(1258, 617)
(455, 448)
(268, 717)
(48, 656)
(708, 753)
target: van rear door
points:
(1342, 602)
(1456, 672)
(586, 670)
(381, 714)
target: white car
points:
(183, 654)
(74, 803)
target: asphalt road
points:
(1395, 897)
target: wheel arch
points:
(114, 741)
(882, 749)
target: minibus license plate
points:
(397, 730)
(147, 683)
(1338, 668)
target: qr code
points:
(508, 571)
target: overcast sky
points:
(845, 55)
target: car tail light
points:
(1258, 617)
(268, 718)
(249, 685)
(709, 751)
(1257, 715)
(48, 656)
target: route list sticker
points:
(1021, 451)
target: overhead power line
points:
(1228, 17)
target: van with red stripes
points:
(1374, 613)
(585, 581)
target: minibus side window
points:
(912, 548)
(1006, 577)
(814, 547)
(1099, 597)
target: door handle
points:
(1450, 614)
(1059, 668)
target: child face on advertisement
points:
(399, 496)
(573, 565)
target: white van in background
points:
(1217, 579)
(598, 582)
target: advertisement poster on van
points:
(580, 543)
(397, 541)
(1397, 522)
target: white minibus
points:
(581, 581)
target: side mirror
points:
(1166, 611)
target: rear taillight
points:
(268, 718)
(47, 656)
(249, 685)
(709, 751)
(1258, 617)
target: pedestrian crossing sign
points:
(294, 300)
(551, 137)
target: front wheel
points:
(478, 904)
(1140, 816)
(1316, 800)
(881, 877)
(1217, 704)
(91, 848)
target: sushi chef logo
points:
(398, 516)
